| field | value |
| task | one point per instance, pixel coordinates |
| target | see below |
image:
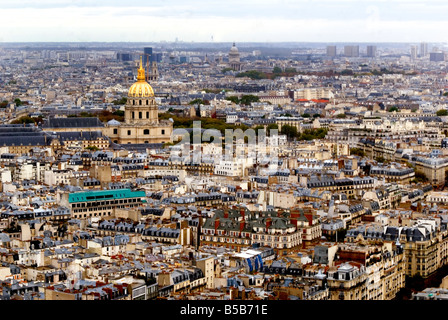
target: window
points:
(133, 115)
(129, 132)
(140, 115)
(115, 131)
(163, 131)
(140, 102)
(146, 131)
(147, 114)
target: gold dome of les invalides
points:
(141, 89)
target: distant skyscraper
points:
(158, 57)
(351, 51)
(147, 56)
(423, 49)
(371, 51)
(125, 56)
(413, 52)
(331, 51)
(436, 56)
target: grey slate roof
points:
(77, 135)
(72, 123)
(24, 140)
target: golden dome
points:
(141, 89)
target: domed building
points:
(141, 123)
(234, 58)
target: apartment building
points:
(101, 203)
(236, 228)
(349, 186)
(433, 168)
(424, 244)
(393, 173)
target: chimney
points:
(243, 214)
(226, 214)
(295, 213)
(242, 224)
(198, 236)
(216, 223)
(268, 223)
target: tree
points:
(4, 104)
(311, 134)
(119, 113)
(199, 101)
(442, 112)
(347, 72)
(341, 116)
(248, 99)
(289, 131)
(18, 102)
(419, 176)
(24, 119)
(270, 127)
(234, 99)
(357, 152)
(392, 109)
(277, 70)
(316, 115)
(380, 159)
(306, 115)
(253, 74)
(122, 101)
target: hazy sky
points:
(226, 20)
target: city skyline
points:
(202, 21)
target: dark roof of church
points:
(24, 140)
(72, 122)
(140, 146)
(17, 129)
(77, 135)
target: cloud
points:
(232, 20)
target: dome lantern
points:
(141, 88)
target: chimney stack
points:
(242, 224)
(216, 224)
(268, 224)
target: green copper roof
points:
(104, 195)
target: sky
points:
(224, 21)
